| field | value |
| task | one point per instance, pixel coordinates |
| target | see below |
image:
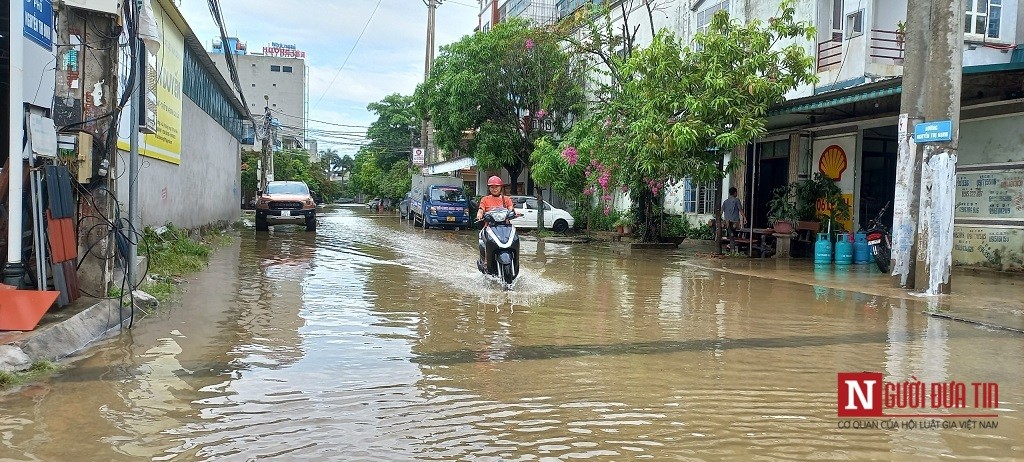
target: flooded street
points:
(374, 340)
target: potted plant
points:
(782, 209)
(623, 225)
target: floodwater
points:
(373, 340)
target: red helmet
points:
(494, 181)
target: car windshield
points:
(447, 195)
(287, 188)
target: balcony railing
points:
(830, 54)
(887, 44)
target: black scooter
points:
(880, 241)
(499, 246)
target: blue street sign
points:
(931, 132)
(39, 22)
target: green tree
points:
(250, 172)
(395, 130)
(381, 167)
(485, 90)
(294, 165)
(678, 109)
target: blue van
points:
(439, 201)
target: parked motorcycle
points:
(499, 246)
(880, 240)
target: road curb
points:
(64, 338)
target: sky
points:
(388, 58)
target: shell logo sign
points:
(833, 162)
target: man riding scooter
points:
(494, 200)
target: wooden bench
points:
(802, 245)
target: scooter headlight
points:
(500, 215)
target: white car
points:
(555, 219)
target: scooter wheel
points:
(882, 256)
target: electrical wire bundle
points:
(118, 230)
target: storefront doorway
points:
(878, 174)
(771, 160)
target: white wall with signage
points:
(991, 202)
(989, 224)
(835, 157)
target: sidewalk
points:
(987, 298)
(60, 333)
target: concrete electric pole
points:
(426, 136)
(926, 174)
(267, 153)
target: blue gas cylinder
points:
(823, 249)
(844, 249)
(861, 249)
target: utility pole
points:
(426, 137)
(935, 41)
(908, 169)
(14, 271)
(138, 110)
(266, 154)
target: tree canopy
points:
(674, 110)
(486, 90)
(381, 167)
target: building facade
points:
(190, 172)
(846, 126)
(276, 78)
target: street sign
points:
(931, 132)
(39, 22)
(417, 156)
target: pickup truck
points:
(438, 201)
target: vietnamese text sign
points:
(1000, 248)
(168, 72)
(993, 194)
(39, 22)
(940, 130)
(417, 156)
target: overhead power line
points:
(349, 54)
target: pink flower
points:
(529, 44)
(571, 155)
(606, 197)
(625, 189)
(541, 113)
(607, 209)
(604, 178)
(607, 122)
(587, 191)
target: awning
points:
(845, 96)
(873, 90)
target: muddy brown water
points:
(372, 340)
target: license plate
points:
(286, 213)
(875, 242)
(451, 218)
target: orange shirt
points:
(489, 202)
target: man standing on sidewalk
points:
(732, 212)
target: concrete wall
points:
(990, 141)
(989, 225)
(204, 189)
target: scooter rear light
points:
(874, 236)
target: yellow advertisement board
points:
(1000, 248)
(168, 72)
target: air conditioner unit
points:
(103, 6)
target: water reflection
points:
(371, 340)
